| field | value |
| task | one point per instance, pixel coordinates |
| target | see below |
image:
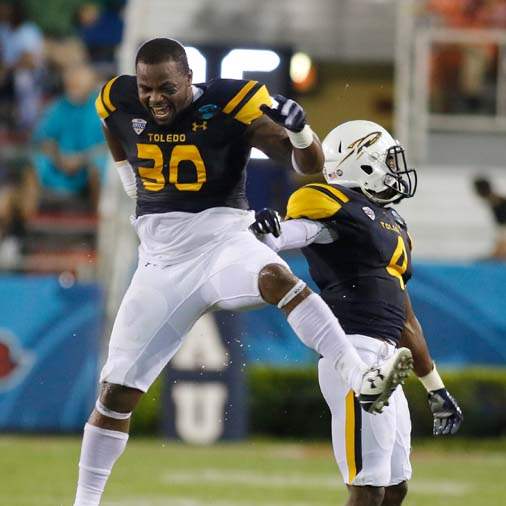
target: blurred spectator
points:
(100, 27)
(70, 155)
(21, 49)
(16, 206)
(497, 204)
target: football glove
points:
(446, 412)
(286, 112)
(267, 221)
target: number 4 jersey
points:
(363, 273)
(196, 163)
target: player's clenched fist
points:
(286, 112)
(289, 114)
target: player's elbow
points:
(307, 161)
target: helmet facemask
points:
(393, 175)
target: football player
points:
(359, 254)
(181, 152)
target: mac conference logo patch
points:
(139, 125)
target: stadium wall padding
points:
(49, 347)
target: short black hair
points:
(162, 49)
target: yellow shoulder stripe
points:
(338, 193)
(106, 95)
(310, 203)
(251, 110)
(100, 107)
(239, 96)
(103, 103)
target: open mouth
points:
(161, 113)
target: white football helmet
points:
(362, 154)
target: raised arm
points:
(283, 134)
(445, 410)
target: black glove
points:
(267, 221)
(287, 113)
(446, 412)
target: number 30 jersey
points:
(198, 161)
(363, 273)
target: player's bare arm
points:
(445, 410)
(284, 136)
(123, 167)
(413, 338)
(114, 145)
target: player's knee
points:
(119, 398)
(274, 282)
(367, 495)
(395, 494)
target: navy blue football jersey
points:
(198, 161)
(362, 274)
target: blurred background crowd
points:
(53, 159)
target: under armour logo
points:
(199, 126)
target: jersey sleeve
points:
(315, 202)
(108, 99)
(245, 99)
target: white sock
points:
(99, 451)
(318, 328)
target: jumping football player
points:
(359, 254)
(181, 152)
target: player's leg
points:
(395, 494)
(400, 464)
(244, 272)
(362, 442)
(365, 496)
(317, 327)
(312, 320)
(148, 330)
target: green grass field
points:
(37, 471)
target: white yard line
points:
(333, 482)
(181, 501)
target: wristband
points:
(432, 381)
(127, 177)
(302, 139)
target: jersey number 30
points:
(399, 262)
(153, 178)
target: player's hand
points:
(446, 412)
(286, 112)
(267, 221)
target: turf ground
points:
(36, 471)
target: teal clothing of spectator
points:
(75, 129)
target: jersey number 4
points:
(153, 178)
(399, 262)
